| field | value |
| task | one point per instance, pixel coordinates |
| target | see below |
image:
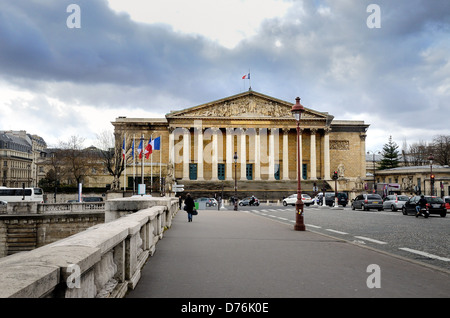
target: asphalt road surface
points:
(420, 239)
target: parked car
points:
(368, 201)
(292, 199)
(394, 202)
(246, 201)
(213, 201)
(447, 202)
(92, 199)
(330, 198)
(435, 205)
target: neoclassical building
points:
(199, 144)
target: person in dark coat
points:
(189, 202)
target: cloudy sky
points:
(140, 58)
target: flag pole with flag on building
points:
(247, 76)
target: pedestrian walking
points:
(189, 206)
(180, 201)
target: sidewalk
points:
(234, 254)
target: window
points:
(249, 171)
(305, 171)
(192, 171)
(221, 171)
(277, 171)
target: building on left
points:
(19, 153)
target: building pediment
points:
(245, 105)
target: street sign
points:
(178, 187)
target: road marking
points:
(425, 254)
(370, 240)
(315, 226)
(284, 219)
(334, 231)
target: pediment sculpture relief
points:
(245, 108)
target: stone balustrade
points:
(103, 261)
(29, 207)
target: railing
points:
(70, 207)
(103, 261)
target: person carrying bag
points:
(189, 207)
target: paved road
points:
(228, 254)
(425, 240)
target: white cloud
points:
(225, 21)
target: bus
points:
(21, 194)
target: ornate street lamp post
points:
(431, 158)
(297, 111)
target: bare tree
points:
(111, 150)
(418, 154)
(441, 149)
(78, 161)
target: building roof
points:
(14, 142)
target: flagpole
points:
(151, 168)
(125, 163)
(249, 80)
(160, 167)
(134, 165)
(142, 160)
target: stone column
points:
(172, 147)
(186, 153)
(243, 155)
(285, 153)
(313, 154)
(200, 153)
(300, 166)
(215, 154)
(257, 154)
(271, 154)
(326, 153)
(363, 155)
(229, 155)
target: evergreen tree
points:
(390, 155)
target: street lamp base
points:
(299, 224)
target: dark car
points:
(435, 205)
(367, 202)
(330, 198)
(246, 201)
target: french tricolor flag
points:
(246, 76)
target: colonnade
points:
(258, 139)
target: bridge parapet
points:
(103, 261)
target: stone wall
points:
(103, 261)
(29, 225)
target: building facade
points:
(416, 179)
(199, 145)
(18, 155)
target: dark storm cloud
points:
(321, 50)
(109, 47)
